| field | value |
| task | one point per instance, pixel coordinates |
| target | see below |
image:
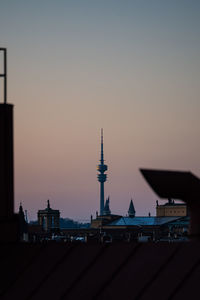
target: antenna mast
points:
(4, 74)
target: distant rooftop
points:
(142, 221)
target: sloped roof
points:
(100, 271)
(142, 221)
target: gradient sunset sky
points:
(74, 67)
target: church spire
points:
(106, 210)
(131, 210)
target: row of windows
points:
(178, 211)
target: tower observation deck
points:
(102, 168)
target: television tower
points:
(102, 177)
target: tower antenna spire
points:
(102, 168)
(4, 75)
(102, 160)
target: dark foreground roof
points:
(172, 184)
(100, 271)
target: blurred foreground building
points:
(11, 224)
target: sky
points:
(76, 66)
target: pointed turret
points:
(131, 210)
(22, 222)
(21, 212)
(106, 210)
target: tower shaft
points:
(101, 198)
(102, 168)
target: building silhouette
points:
(9, 221)
(49, 219)
(170, 209)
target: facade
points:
(171, 209)
(102, 221)
(49, 219)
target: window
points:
(43, 222)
